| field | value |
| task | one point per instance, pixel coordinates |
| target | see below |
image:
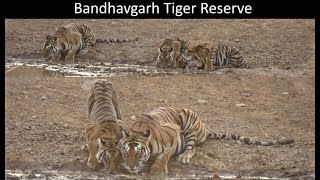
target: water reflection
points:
(25, 72)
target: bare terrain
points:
(45, 116)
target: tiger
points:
(104, 132)
(202, 53)
(220, 56)
(166, 132)
(170, 51)
(67, 41)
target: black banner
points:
(160, 9)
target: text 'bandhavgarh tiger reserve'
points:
(167, 8)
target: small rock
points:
(82, 66)
(43, 98)
(241, 105)
(245, 94)
(28, 150)
(27, 127)
(285, 93)
(34, 116)
(163, 101)
(133, 117)
(202, 101)
(31, 175)
(236, 40)
(84, 147)
(65, 125)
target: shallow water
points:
(38, 68)
(35, 174)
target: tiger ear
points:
(146, 133)
(101, 141)
(124, 134)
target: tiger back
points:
(227, 56)
(167, 132)
(103, 133)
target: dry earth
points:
(45, 116)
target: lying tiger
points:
(67, 41)
(170, 51)
(102, 136)
(166, 132)
(219, 56)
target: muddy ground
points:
(45, 116)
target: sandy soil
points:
(45, 116)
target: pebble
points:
(236, 40)
(65, 125)
(163, 101)
(43, 98)
(245, 94)
(27, 127)
(202, 101)
(240, 105)
(133, 117)
(285, 93)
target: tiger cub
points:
(220, 56)
(67, 41)
(166, 132)
(170, 51)
(103, 134)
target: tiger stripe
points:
(224, 55)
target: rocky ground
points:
(45, 116)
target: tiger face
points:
(49, 48)
(103, 144)
(108, 153)
(135, 150)
(169, 52)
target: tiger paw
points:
(185, 157)
(93, 165)
(84, 51)
(157, 169)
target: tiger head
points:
(135, 149)
(49, 47)
(195, 55)
(107, 140)
(168, 51)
